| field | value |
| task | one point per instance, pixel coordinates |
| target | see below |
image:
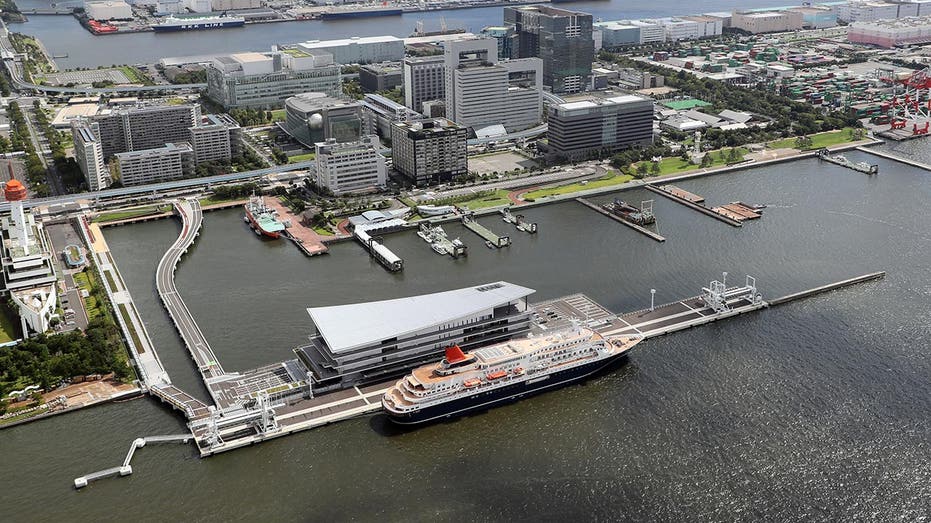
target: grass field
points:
(323, 232)
(500, 197)
(301, 157)
(818, 141)
(86, 280)
(124, 313)
(278, 115)
(604, 181)
(125, 215)
(676, 165)
(9, 325)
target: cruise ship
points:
(189, 23)
(462, 382)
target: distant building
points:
(818, 17)
(483, 92)
(375, 78)
(88, 152)
(257, 80)
(315, 117)
(707, 25)
(767, 22)
(867, 11)
(351, 167)
(561, 38)
(218, 137)
(599, 125)
(618, 33)
(232, 5)
(891, 33)
(430, 151)
(352, 348)
(169, 162)
(358, 50)
(108, 10)
(424, 80)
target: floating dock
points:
(377, 250)
(597, 208)
(843, 161)
(673, 193)
(518, 221)
(738, 211)
(491, 239)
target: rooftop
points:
(348, 327)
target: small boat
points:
(437, 248)
(489, 244)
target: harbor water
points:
(816, 410)
(64, 35)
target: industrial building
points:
(891, 33)
(375, 78)
(265, 80)
(357, 50)
(28, 271)
(482, 92)
(351, 167)
(232, 5)
(430, 151)
(315, 117)
(364, 343)
(767, 22)
(424, 81)
(217, 137)
(88, 152)
(599, 125)
(169, 162)
(108, 10)
(562, 39)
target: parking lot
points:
(499, 162)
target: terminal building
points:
(365, 343)
(599, 125)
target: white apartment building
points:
(350, 167)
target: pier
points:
(518, 221)
(674, 193)
(895, 158)
(840, 159)
(126, 469)
(491, 239)
(377, 249)
(642, 230)
(305, 238)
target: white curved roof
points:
(348, 327)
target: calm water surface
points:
(817, 410)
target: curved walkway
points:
(191, 218)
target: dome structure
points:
(14, 191)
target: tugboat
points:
(262, 218)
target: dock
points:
(895, 158)
(518, 221)
(839, 159)
(674, 193)
(738, 211)
(305, 238)
(126, 469)
(491, 239)
(642, 230)
(378, 250)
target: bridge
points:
(192, 218)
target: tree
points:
(654, 168)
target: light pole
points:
(652, 298)
(725, 280)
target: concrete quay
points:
(642, 230)
(895, 158)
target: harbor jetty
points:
(492, 240)
(604, 212)
(695, 202)
(518, 221)
(839, 159)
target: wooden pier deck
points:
(646, 232)
(306, 239)
(727, 217)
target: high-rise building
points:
(218, 137)
(88, 152)
(599, 125)
(266, 80)
(561, 38)
(505, 37)
(315, 117)
(381, 112)
(483, 92)
(424, 81)
(430, 151)
(169, 162)
(145, 127)
(350, 167)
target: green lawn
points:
(819, 140)
(125, 214)
(86, 280)
(604, 181)
(210, 200)
(278, 115)
(301, 157)
(323, 231)
(9, 329)
(135, 75)
(500, 197)
(110, 281)
(124, 312)
(676, 165)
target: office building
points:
(169, 162)
(88, 152)
(351, 167)
(367, 342)
(28, 271)
(315, 117)
(358, 50)
(375, 78)
(430, 151)
(599, 125)
(561, 38)
(144, 127)
(266, 80)
(218, 137)
(380, 113)
(424, 81)
(506, 38)
(482, 92)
